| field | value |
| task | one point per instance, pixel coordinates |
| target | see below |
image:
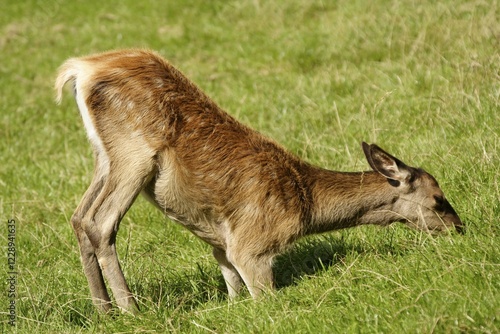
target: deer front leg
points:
(256, 272)
(231, 276)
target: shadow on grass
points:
(319, 253)
(309, 257)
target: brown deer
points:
(153, 130)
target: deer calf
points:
(153, 131)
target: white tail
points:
(154, 131)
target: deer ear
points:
(387, 165)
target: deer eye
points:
(394, 183)
(439, 202)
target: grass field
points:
(420, 78)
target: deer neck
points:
(344, 200)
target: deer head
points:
(421, 202)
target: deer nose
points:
(459, 225)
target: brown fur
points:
(154, 131)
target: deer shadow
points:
(310, 257)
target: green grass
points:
(420, 78)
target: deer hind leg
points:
(87, 252)
(120, 187)
(231, 275)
